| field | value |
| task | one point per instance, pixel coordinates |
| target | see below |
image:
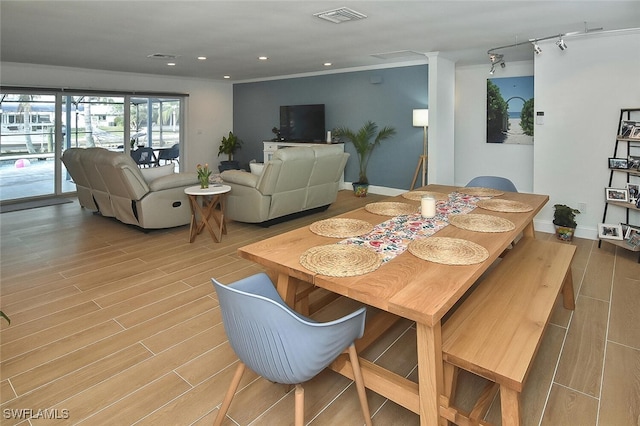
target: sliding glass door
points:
(38, 126)
(27, 145)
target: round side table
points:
(206, 214)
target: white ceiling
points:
(119, 35)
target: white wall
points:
(209, 105)
(581, 91)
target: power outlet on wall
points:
(582, 207)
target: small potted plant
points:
(364, 141)
(229, 145)
(564, 219)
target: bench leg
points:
(510, 403)
(567, 291)
(450, 376)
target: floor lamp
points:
(421, 119)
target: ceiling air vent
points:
(342, 14)
(162, 56)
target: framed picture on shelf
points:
(631, 231)
(635, 133)
(609, 231)
(633, 163)
(627, 127)
(634, 241)
(634, 191)
(618, 163)
(617, 194)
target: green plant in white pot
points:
(364, 141)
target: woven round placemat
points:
(481, 222)
(477, 191)
(448, 251)
(391, 208)
(340, 227)
(507, 206)
(417, 195)
(340, 260)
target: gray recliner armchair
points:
(112, 184)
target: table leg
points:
(528, 230)
(430, 373)
(286, 287)
(206, 216)
(193, 226)
(201, 215)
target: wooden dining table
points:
(403, 287)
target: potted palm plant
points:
(564, 219)
(364, 141)
(229, 145)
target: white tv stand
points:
(271, 146)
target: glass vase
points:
(204, 182)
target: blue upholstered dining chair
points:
(169, 154)
(144, 156)
(495, 182)
(281, 345)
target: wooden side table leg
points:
(206, 218)
(193, 226)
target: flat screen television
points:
(302, 123)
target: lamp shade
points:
(420, 117)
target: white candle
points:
(428, 206)
(329, 136)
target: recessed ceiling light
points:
(327, 64)
(263, 58)
(171, 64)
(226, 76)
(202, 58)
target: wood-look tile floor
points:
(114, 326)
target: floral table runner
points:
(391, 237)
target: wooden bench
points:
(495, 333)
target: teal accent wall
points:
(385, 96)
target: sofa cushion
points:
(152, 173)
(240, 177)
(173, 180)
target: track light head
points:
(537, 48)
(496, 58)
(561, 44)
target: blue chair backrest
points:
(170, 153)
(275, 341)
(495, 182)
(143, 156)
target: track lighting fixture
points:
(498, 58)
(495, 59)
(537, 48)
(561, 44)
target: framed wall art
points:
(617, 194)
(609, 231)
(510, 110)
(618, 163)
